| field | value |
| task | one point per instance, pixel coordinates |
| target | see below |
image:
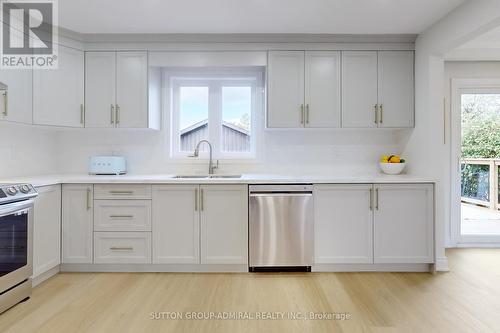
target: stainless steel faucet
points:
(211, 166)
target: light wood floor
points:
(465, 300)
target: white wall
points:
(27, 150)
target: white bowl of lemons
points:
(392, 165)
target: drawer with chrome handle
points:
(122, 215)
(122, 191)
(122, 247)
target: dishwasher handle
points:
(281, 194)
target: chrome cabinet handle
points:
(371, 199)
(121, 192)
(112, 114)
(121, 216)
(195, 199)
(381, 113)
(88, 198)
(376, 113)
(376, 195)
(5, 103)
(302, 113)
(117, 114)
(121, 248)
(307, 113)
(82, 114)
(201, 200)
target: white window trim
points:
(459, 87)
(195, 77)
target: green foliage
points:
(481, 126)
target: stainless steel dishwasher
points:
(280, 227)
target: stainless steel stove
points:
(16, 243)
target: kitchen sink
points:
(206, 176)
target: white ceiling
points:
(253, 16)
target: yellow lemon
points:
(395, 159)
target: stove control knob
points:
(25, 189)
(11, 190)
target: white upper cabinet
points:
(100, 89)
(395, 88)
(16, 101)
(116, 92)
(47, 229)
(359, 88)
(132, 89)
(224, 224)
(343, 225)
(58, 93)
(322, 89)
(77, 223)
(285, 105)
(377, 89)
(403, 223)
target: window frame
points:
(215, 79)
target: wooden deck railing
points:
(493, 199)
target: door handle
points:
(376, 113)
(117, 114)
(302, 113)
(121, 216)
(381, 113)
(201, 200)
(376, 201)
(112, 114)
(88, 199)
(5, 103)
(121, 192)
(371, 199)
(82, 114)
(307, 113)
(195, 199)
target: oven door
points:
(16, 243)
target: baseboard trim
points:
(179, 268)
(442, 264)
(46, 275)
(372, 268)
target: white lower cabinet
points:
(47, 229)
(224, 226)
(381, 224)
(403, 223)
(122, 215)
(343, 224)
(77, 223)
(180, 212)
(122, 247)
(176, 228)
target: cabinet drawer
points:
(122, 215)
(122, 247)
(122, 191)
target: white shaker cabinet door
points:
(322, 89)
(285, 106)
(395, 88)
(77, 223)
(224, 224)
(176, 236)
(100, 89)
(16, 101)
(47, 229)
(343, 224)
(403, 223)
(132, 89)
(359, 88)
(58, 93)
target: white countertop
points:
(44, 180)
